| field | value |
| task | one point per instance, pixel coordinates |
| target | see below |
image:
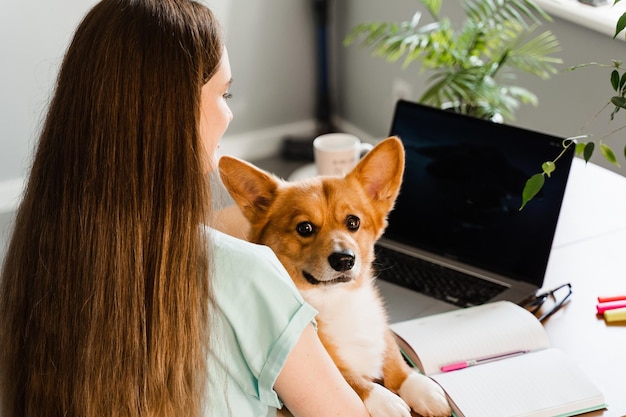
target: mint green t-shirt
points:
(258, 317)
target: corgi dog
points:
(323, 230)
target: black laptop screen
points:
(462, 188)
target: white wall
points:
(271, 48)
(33, 35)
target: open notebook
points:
(491, 368)
(457, 217)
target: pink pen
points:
(610, 305)
(464, 364)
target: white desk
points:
(589, 251)
(594, 204)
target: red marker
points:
(611, 298)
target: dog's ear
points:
(380, 172)
(252, 189)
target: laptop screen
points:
(462, 188)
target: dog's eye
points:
(305, 229)
(353, 223)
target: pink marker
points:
(465, 364)
(610, 305)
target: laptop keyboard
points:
(445, 284)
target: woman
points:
(115, 298)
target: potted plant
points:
(472, 65)
(616, 102)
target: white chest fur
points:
(355, 322)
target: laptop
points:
(457, 216)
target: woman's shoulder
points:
(246, 272)
(227, 246)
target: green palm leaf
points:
(536, 55)
(495, 12)
(469, 63)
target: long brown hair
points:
(105, 292)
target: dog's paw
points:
(383, 403)
(424, 396)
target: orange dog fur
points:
(323, 231)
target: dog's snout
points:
(341, 261)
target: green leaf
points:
(580, 147)
(622, 82)
(532, 187)
(416, 20)
(614, 112)
(621, 24)
(548, 167)
(608, 153)
(433, 6)
(619, 101)
(615, 80)
(588, 151)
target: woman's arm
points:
(311, 385)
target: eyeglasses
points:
(547, 303)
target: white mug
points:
(338, 153)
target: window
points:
(599, 18)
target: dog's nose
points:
(341, 261)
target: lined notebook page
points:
(539, 384)
(471, 333)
